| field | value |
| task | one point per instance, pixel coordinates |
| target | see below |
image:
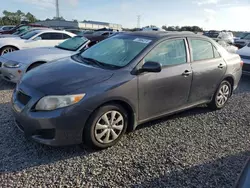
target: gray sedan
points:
(14, 65)
(126, 80)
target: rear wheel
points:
(221, 96)
(7, 49)
(105, 127)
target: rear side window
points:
(65, 36)
(51, 36)
(171, 52)
(201, 50)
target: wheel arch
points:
(13, 46)
(132, 120)
(36, 62)
(231, 80)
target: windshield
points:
(20, 31)
(117, 51)
(73, 44)
(247, 36)
(29, 35)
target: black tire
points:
(89, 133)
(7, 48)
(214, 104)
(34, 66)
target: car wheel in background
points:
(7, 49)
(105, 126)
(221, 96)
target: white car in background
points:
(37, 38)
(14, 65)
(245, 57)
(6, 27)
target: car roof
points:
(163, 34)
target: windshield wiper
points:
(100, 64)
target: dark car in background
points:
(96, 96)
(20, 27)
(240, 43)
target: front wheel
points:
(7, 49)
(221, 96)
(106, 126)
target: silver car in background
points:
(22, 32)
(14, 65)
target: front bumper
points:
(55, 128)
(11, 74)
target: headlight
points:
(12, 64)
(54, 102)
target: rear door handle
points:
(186, 73)
(220, 66)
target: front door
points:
(167, 90)
(208, 69)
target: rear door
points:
(167, 90)
(208, 69)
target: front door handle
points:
(186, 73)
(220, 66)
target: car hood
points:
(8, 36)
(244, 51)
(63, 77)
(37, 54)
(4, 41)
(242, 40)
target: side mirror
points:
(151, 66)
(37, 38)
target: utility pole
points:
(57, 9)
(138, 21)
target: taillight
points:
(241, 63)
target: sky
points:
(208, 14)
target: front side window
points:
(168, 53)
(29, 35)
(201, 49)
(73, 44)
(118, 51)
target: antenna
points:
(57, 9)
(138, 21)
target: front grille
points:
(245, 57)
(246, 67)
(23, 98)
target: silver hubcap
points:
(109, 127)
(7, 50)
(223, 95)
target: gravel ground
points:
(197, 148)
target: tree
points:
(30, 17)
(15, 18)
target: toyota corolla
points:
(96, 96)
